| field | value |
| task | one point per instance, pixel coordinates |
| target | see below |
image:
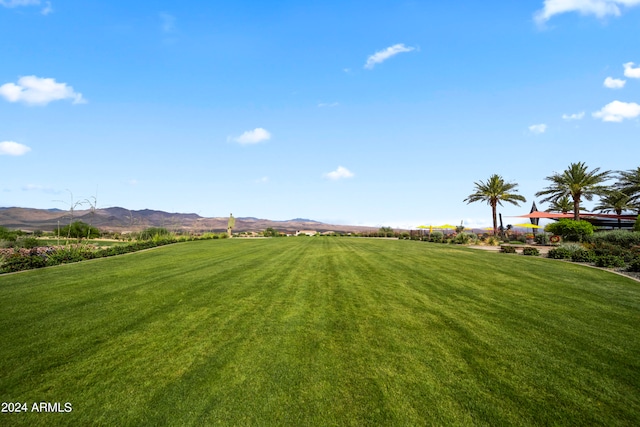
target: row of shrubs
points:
(601, 254)
(18, 259)
(527, 250)
(609, 249)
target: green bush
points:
(530, 251)
(583, 255)
(8, 235)
(559, 253)
(636, 225)
(634, 265)
(609, 261)
(605, 248)
(28, 242)
(437, 237)
(623, 238)
(462, 238)
(508, 249)
(70, 254)
(18, 262)
(570, 230)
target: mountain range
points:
(117, 219)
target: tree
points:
(629, 183)
(575, 182)
(271, 232)
(615, 201)
(563, 204)
(385, 232)
(494, 192)
(80, 230)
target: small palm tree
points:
(494, 192)
(563, 204)
(575, 182)
(615, 201)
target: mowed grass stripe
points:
(322, 331)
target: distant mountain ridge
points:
(118, 219)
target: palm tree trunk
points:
(619, 212)
(495, 219)
(576, 208)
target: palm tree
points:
(494, 192)
(563, 204)
(629, 183)
(615, 201)
(575, 182)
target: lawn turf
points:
(321, 331)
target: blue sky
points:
(351, 112)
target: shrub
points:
(492, 241)
(6, 234)
(29, 242)
(636, 225)
(70, 254)
(570, 230)
(622, 238)
(437, 237)
(583, 255)
(530, 251)
(604, 249)
(507, 249)
(19, 262)
(634, 265)
(609, 261)
(462, 238)
(559, 253)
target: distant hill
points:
(119, 219)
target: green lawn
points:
(321, 331)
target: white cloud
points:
(339, 173)
(47, 9)
(617, 111)
(612, 83)
(387, 53)
(11, 148)
(629, 71)
(16, 3)
(599, 8)
(576, 116)
(34, 90)
(262, 180)
(168, 22)
(538, 129)
(253, 136)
